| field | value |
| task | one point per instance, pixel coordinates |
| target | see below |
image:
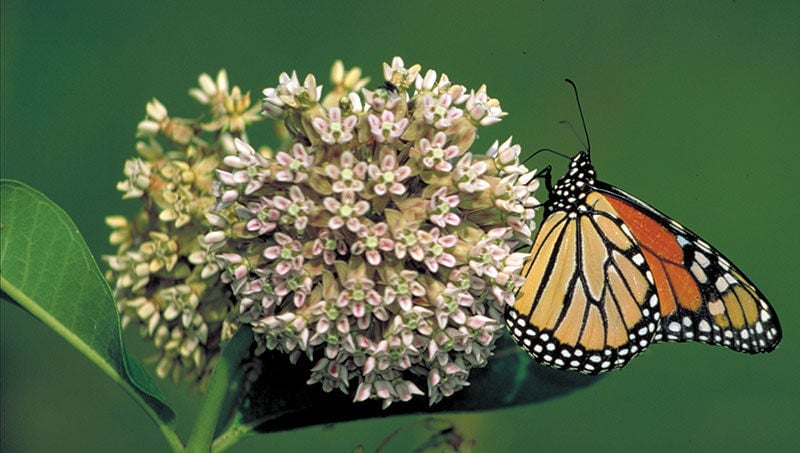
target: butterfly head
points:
(569, 193)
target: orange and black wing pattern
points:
(608, 275)
(702, 295)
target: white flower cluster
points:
(376, 244)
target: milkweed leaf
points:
(281, 399)
(48, 270)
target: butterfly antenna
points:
(583, 120)
(538, 151)
(574, 132)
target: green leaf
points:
(49, 271)
(281, 399)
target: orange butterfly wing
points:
(703, 297)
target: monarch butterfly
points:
(608, 275)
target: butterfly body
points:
(610, 275)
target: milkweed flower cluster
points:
(376, 243)
(163, 279)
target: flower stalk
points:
(225, 379)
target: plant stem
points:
(217, 392)
(171, 437)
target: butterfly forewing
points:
(704, 297)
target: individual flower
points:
(138, 178)
(296, 164)
(429, 84)
(287, 252)
(178, 196)
(264, 216)
(157, 122)
(211, 92)
(330, 244)
(468, 174)
(335, 129)
(483, 109)
(389, 176)
(248, 170)
(345, 212)
(436, 155)
(506, 157)
(382, 99)
(292, 211)
(441, 208)
(344, 83)
(401, 288)
(372, 241)
(347, 175)
(156, 116)
(290, 94)
(123, 231)
(448, 306)
(432, 247)
(230, 109)
(398, 75)
(438, 112)
(384, 127)
(160, 252)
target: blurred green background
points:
(692, 106)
